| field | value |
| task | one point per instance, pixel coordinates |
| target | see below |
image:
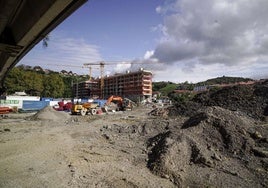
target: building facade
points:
(86, 89)
(136, 86)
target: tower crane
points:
(77, 66)
(101, 64)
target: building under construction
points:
(86, 89)
(133, 85)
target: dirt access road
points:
(214, 148)
(76, 151)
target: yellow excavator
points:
(85, 108)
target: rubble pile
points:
(184, 109)
(251, 100)
(215, 147)
(163, 112)
(49, 114)
(222, 143)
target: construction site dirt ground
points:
(215, 148)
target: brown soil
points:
(249, 100)
(91, 151)
(212, 147)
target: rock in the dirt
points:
(195, 120)
(256, 135)
(162, 112)
(199, 156)
(260, 152)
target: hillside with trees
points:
(168, 88)
(164, 87)
(46, 83)
(224, 80)
(40, 82)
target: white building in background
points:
(16, 100)
(22, 96)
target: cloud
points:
(232, 33)
(122, 67)
(63, 53)
(76, 50)
(200, 72)
(148, 54)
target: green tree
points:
(181, 97)
(158, 85)
(68, 81)
(168, 89)
(53, 86)
(33, 83)
(14, 81)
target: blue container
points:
(84, 100)
(100, 102)
(46, 99)
(34, 105)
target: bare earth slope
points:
(251, 100)
(215, 147)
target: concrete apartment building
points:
(86, 89)
(136, 86)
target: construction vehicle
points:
(85, 108)
(63, 107)
(120, 103)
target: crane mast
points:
(101, 64)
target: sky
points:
(178, 40)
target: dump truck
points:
(84, 109)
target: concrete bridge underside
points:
(24, 23)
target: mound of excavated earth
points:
(214, 148)
(251, 100)
(50, 114)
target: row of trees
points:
(38, 83)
